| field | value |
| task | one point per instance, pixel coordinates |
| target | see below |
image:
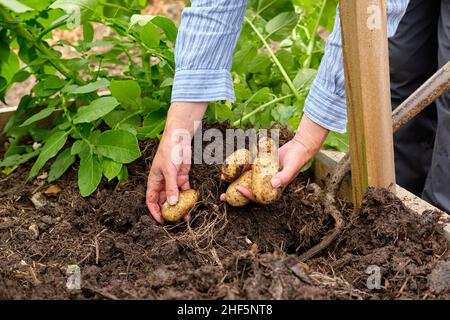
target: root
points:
(208, 224)
(328, 198)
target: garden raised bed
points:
(225, 252)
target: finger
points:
(154, 185)
(185, 186)
(222, 177)
(172, 192)
(223, 197)
(290, 170)
(246, 193)
(153, 206)
(187, 218)
(183, 177)
(162, 198)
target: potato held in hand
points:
(237, 163)
(265, 167)
(263, 171)
(186, 202)
(234, 197)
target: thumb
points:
(291, 167)
(172, 192)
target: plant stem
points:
(16, 26)
(275, 59)
(261, 10)
(260, 108)
(115, 6)
(72, 125)
(312, 41)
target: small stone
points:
(43, 176)
(34, 231)
(38, 200)
(47, 220)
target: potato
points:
(263, 170)
(234, 197)
(186, 201)
(267, 147)
(237, 163)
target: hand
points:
(167, 176)
(294, 155)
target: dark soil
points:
(224, 253)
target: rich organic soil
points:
(224, 253)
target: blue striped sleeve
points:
(206, 40)
(326, 102)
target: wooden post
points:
(366, 64)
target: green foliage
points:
(275, 63)
(94, 108)
(83, 108)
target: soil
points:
(223, 253)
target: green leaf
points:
(51, 147)
(3, 84)
(48, 86)
(77, 10)
(116, 116)
(259, 64)
(97, 109)
(337, 141)
(167, 25)
(38, 116)
(79, 147)
(90, 87)
(123, 174)
(89, 174)
(18, 159)
(125, 91)
(150, 35)
(111, 169)
(304, 78)
(281, 26)
(63, 162)
(10, 68)
(88, 32)
(119, 145)
(20, 76)
(168, 82)
(241, 58)
(16, 6)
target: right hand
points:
(166, 177)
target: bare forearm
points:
(310, 135)
(184, 115)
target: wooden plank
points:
(327, 160)
(366, 65)
(5, 114)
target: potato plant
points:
(94, 108)
(78, 108)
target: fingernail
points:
(276, 183)
(172, 200)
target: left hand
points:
(294, 155)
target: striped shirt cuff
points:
(202, 86)
(326, 109)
